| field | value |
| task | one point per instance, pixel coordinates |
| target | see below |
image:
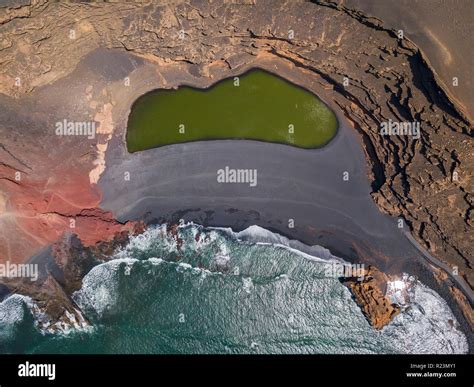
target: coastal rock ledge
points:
(370, 294)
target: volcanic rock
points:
(369, 293)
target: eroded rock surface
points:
(370, 295)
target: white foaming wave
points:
(425, 327)
(247, 284)
(256, 233)
(262, 236)
(143, 241)
(182, 266)
(100, 287)
(12, 312)
(156, 261)
(252, 234)
(153, 233)
(99, 290)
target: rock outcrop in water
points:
(45, 181)
(53, 308)
(370, 295)
(51, 294)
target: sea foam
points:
(426, 326)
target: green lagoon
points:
(255, 106)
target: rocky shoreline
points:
(55, 311)
(427, 182)
(370, 294)
(66, 266)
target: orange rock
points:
(370, 295)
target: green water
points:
(262, 107)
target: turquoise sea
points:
(226, 292)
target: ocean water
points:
(226, 292)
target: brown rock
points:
(369, 294)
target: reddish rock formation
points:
(466, 308)
(40, 210)
(172, 229)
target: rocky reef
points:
(370, 293)
(70, 261)
(368, 72)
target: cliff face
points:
(427, 181)
(442, 31)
